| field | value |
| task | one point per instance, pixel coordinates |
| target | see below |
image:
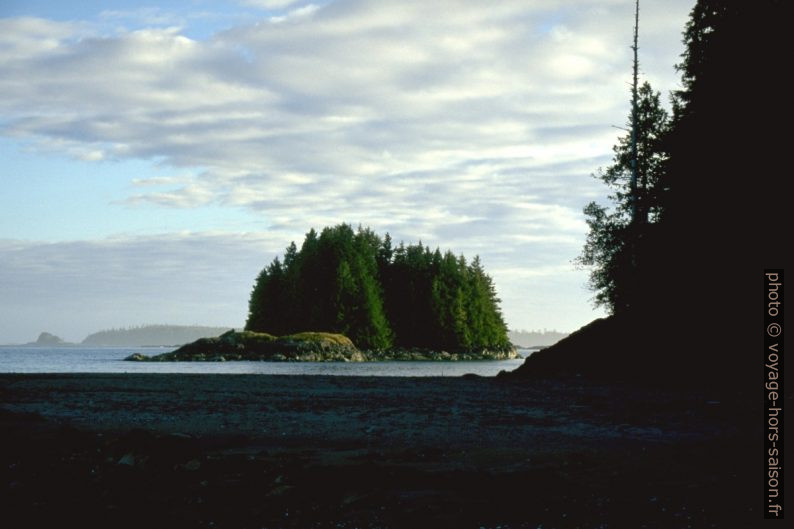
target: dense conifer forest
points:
(355, 283)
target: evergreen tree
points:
(448, 298)
(617, 246)
(489, 329)
(368, 319)
(268, 299)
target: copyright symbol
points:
(773, 329)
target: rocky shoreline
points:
(308, 347)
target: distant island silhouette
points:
(530, 339)
(139, 336)
(153, 335)
(49, 340)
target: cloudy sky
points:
(155, 156)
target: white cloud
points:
(29, 38)
(472, 126)
(75, 288)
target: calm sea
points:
(80, 359)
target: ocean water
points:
(79, 359)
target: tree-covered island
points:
(349, 295)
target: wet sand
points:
(301, 451)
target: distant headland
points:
(535, 339)
(152, 335)
(140, 336)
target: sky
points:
(155, 157)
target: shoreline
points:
(312, 347)
(390, 452)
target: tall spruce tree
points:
(617, 246)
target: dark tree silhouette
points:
(691, 307)
(615, 250)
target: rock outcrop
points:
(635, 350)
(247, 345)
(305, 347)
(48, 339)
(593, 350)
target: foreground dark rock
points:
(641, 350)
(596, 350)
(305, 347)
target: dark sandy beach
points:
(299, 451)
